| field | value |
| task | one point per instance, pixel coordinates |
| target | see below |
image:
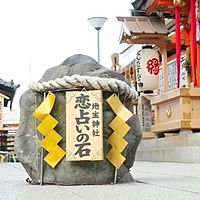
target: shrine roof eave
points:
(162, 6)
(142, 30)
(8, 89)
(142, 39)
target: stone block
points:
(27, 141)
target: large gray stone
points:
(27, 140)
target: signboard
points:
(144, 113)
(84, 125)
(172, 75)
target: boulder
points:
(27, 140)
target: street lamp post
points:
(97, 23)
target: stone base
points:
(181, 148)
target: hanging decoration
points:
(120, 128)
(46, 128)
(115, 62)
(180, 3)
(147, 69)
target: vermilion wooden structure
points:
(184, 13)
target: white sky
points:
(46, 32)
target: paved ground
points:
(155, 181)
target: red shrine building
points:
(165, 70)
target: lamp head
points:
(97, 22)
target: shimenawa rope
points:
(88, 82)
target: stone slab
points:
(186, 154)
(168, 142)
(155, 181)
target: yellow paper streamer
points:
(46, 127)
(120, 110)
(54, 156)
(115, 158)
(45, 107)
(119, 126)
(47, 124)
(120, 145)
(50, 140)
(120, 129)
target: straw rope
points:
(88, 82)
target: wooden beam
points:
(158, 3)
(156, 41)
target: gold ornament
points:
(168, 111)
(179, 3)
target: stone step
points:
(177, 154)
(181, 148)
(170, 142)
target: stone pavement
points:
(154, 181)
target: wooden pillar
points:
(193, 43)
(178, 43)
(1, 112)
(165, 67)
(198, 64)
(189, 74)
(198, 47)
